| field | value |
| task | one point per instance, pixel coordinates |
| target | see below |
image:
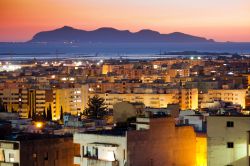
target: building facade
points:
(228, 140)
(157, 141)
(38, 151)
(236, 96)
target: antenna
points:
(56, 55)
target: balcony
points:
(8, 164)
(9, 145)
(77, 160)
(90, 161)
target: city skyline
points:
(124, 83)
(221, 21)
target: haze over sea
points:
(22, 51)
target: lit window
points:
(1, 155)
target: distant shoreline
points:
(117, 50)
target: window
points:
(46, 156)
(230, 124)
(11, 156)
(88, 153)
(95, 152)
(230, 145)
(57, 155)
(124, 154)
(1, 155)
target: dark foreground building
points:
(154, 142)
(37, 150)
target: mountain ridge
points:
(109, 34)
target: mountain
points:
(69, 34)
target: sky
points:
(222, 20)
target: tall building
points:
(189, 99)
(32, 100)
(70, 100)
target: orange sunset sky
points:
(222, 20)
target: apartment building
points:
(37, 150)
(10, 98)
(236, 96)
(179, 72)
(157, 141)
(25, 100)
(189, 99)
(151, 78)
(71, 100)
(228, 140)
(108, 68)
(150, 100)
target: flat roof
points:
(242, 116)
(32, 136)
(112, 132)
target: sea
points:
(26, 51)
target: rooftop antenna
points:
(56, 55)
(11, 56)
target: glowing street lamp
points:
(39, 125)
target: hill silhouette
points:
(106, 34)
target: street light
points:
(39, 125)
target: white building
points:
(228, 140)
(9, 153)
(147, 145)
(190, 118)
(101, 150)
(236, 96)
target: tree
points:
(29, 115)
(12, 110)
(96, 108)
(49, 113)
(61, 114)
(2, 108)
(44, 114)
(6, 108)
(33, 114)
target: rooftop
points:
(239, 115)
(113, 132)
(32, 136)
